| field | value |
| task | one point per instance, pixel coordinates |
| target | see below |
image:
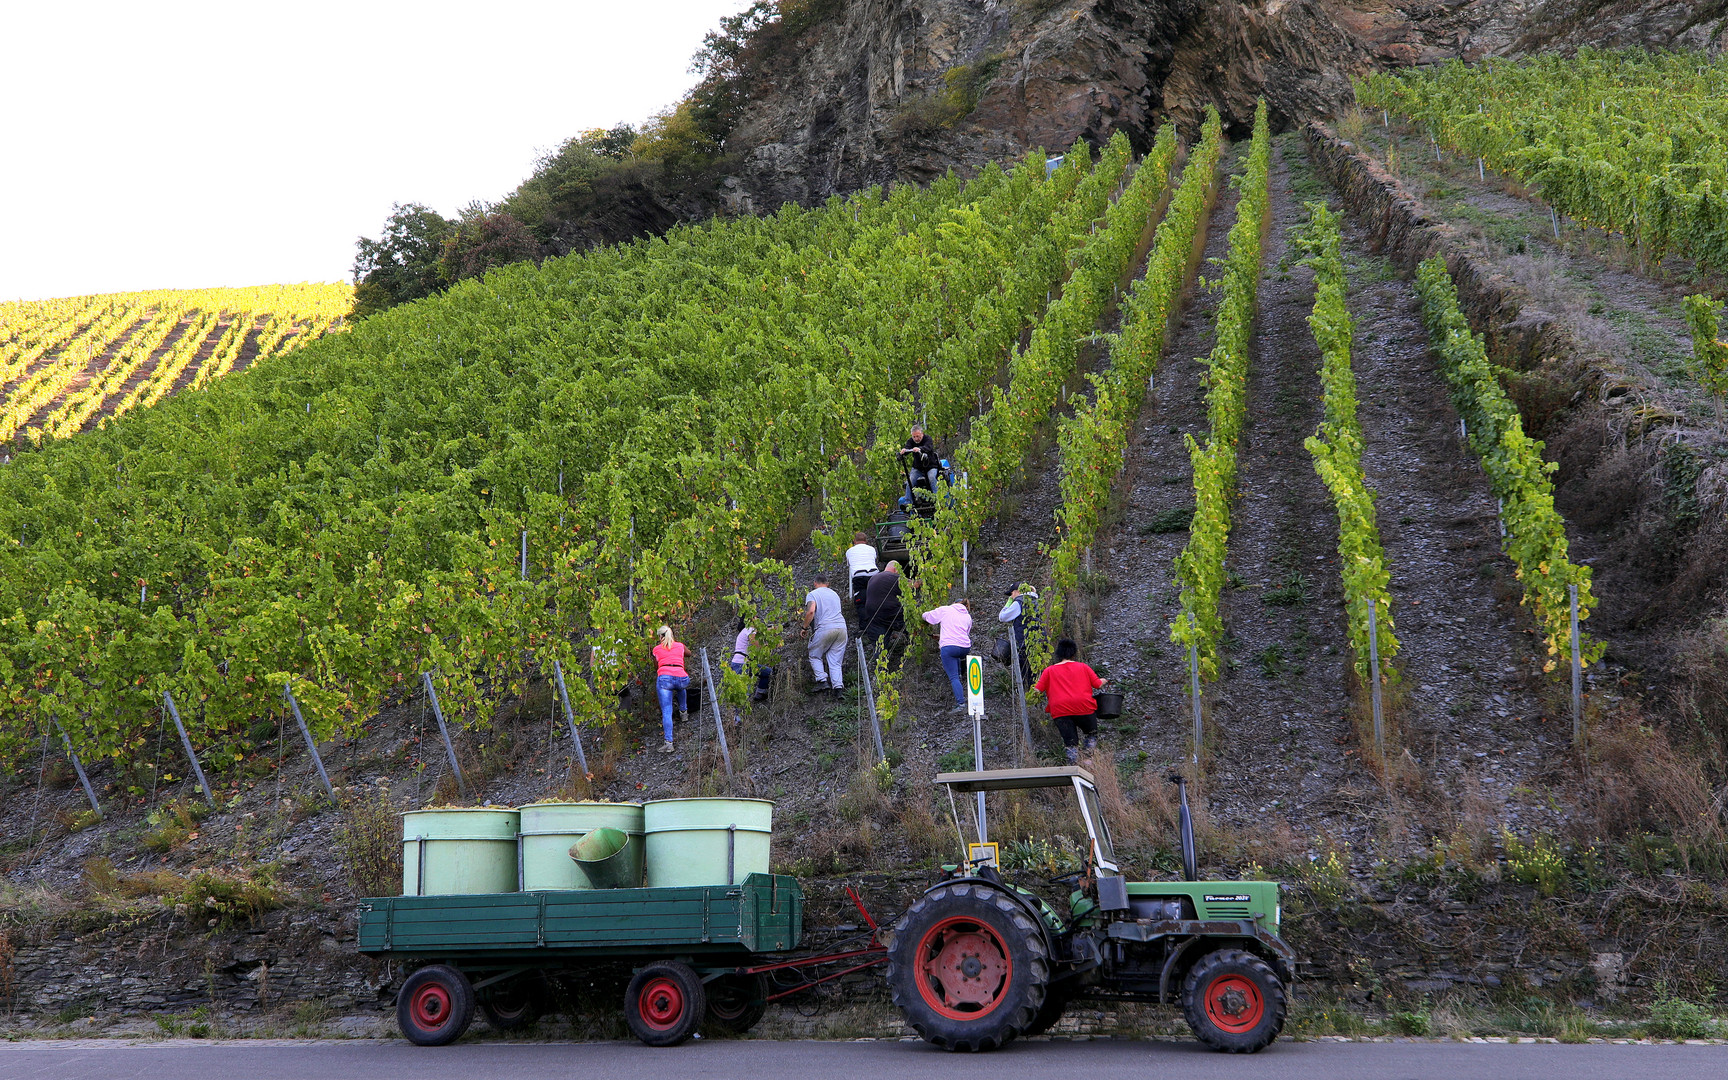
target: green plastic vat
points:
(468, 850)
(706, 841)
(550, 829)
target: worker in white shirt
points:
(860, 567)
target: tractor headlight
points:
(1277, 915)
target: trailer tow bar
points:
(877, 954)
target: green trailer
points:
(696, 953)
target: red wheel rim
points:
(431, 1006)
(1234, 1004)
(963, 968)
(661, 1004)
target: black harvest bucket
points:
(1109, 704)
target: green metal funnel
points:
(604, 855)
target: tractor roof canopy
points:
(1014, 779)
(1072, 777)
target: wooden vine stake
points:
(311, 743)
(444, 731)
(186, 741)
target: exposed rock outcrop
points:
(901, 90)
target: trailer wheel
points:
(968, 967)
(512, 1004)
(736, 1003)
(435, 1006)
(664, 1003)
(1233, 1001)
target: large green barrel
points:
(468, 850)
(549, 829)
(706, 841)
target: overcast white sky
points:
(186, 144)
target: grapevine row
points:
(1535, 531)
(1200, 566)
(1709, 351)
(46, 345)
(1632, 142)
(80, 405)
(1337, 451)
(1094, 440)
(1000, 438)
(1036, 247)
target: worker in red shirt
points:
(1067, 686)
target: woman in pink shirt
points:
(955, 639)
(670, 679)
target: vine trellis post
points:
(78, 767)
(311, 743)
(1374, 679)
(444, 731)
(713, 693)
(570, 717)
(186, 741)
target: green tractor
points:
(976, 961)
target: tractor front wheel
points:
(968, 967)
(664, 1003)
(436, 1005)
(1233, 1001)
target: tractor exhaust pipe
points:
(1185, 828)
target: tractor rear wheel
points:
(435, 1005)
(968, 967)
(1049, 1013)
(664, 1003)
(1233, 1001)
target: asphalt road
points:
(1100, 1060)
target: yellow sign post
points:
(975, 707)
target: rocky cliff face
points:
(900, 90)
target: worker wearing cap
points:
(1021, 614)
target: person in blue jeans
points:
(955, 624)
(670, 680)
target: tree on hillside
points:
(563, 182)
(483, 239)
(403, 263)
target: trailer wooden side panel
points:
(763, 914)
